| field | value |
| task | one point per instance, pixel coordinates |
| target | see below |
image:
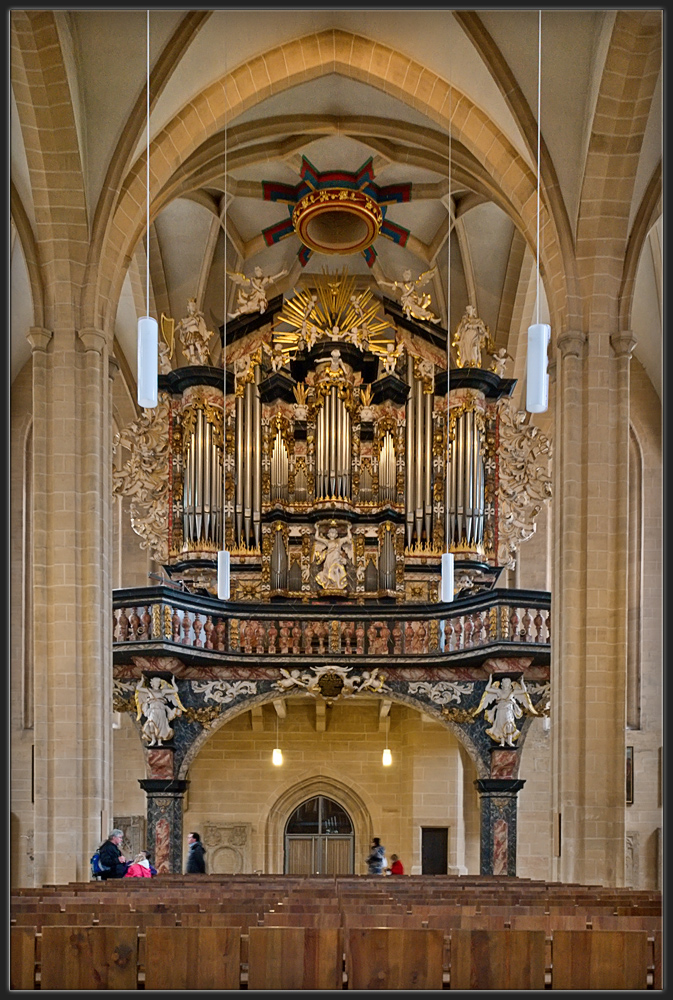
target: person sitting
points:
(196, 863)
(396, 868)
(112, 861)
(139, 867)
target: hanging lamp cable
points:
(537, 240)
(447, 555)
(148, 330)
(223, 556)
(147, 254)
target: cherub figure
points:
(336, 364)
(194, 335)
(509, 697)
(414, 305)
(160, 704)
(389, 359)
(331, 553)
(252, 293)
(470, 337)
(499, 362)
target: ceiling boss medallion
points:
(336, 212)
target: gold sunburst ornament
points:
(332, 311)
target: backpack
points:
(97, 868)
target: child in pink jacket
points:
(139, 867)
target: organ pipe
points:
(247, 448)
(427, 478)
(467, 483)
(418, 460)
(409, 463)
(239, 468)
(202, 485)
(257, 467)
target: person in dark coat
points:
(111, 858)
(375, 860)
(196, 862)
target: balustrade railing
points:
(171, 618)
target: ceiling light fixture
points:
(148, 329)
(447, 557)
(539, 334)
(277, 755)
(387, 756)
(223, 556)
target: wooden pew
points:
(391, 958)
(193, 958)
(599, 960)
(497, 960)
(295, 958)
(22, 958)
(89, 958)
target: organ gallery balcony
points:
(199, 629)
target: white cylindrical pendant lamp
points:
(537, 379)
(277, 757)
(447, 577)
(223, 566)
(148, 361)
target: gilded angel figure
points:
(252, 290)
(414, 304)
(160, 704)
(510, 699)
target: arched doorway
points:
(319, 839)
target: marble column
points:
(165, 798)
(498, 803)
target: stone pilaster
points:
(588, 669)
(497, 798)
(71, 612)
(165, 798)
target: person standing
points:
(377, 853)
(196, 862)
(112, 861)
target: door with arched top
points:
(319, 839)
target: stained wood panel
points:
(193, 958)
(599, 960)
(22, 958)
(89, 958)
(497, 960)
(392, 958)
(295, 958)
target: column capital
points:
(38, 338)
(571, 342)
(623, 343)
(499, 786)
(164, 786)
(93, 339)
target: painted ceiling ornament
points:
(331, 310)
(523, 479)
(414, 304)
(471, 337)
(144, 476)
(336, 212)
(510, 701)
(252, 290)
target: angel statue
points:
(470, 337)
(160, 704)
(332, 553)
(508, 697)
(500, 362)
(194, 335)
(252, 293)
(414, 304)
(389, 359)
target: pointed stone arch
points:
(300, 61)
(332, 787)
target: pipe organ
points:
(333, 483)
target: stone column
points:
(590, 607)
(498, 824)
(72, 614)
(165, 798)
